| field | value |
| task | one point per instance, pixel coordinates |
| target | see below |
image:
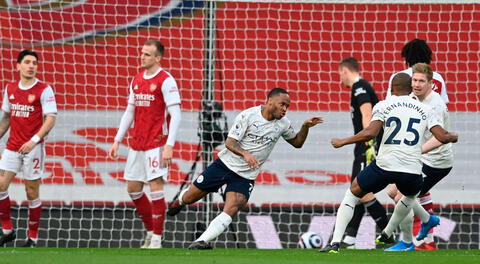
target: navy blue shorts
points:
(432, 177)
(218, 174)
(374, 179)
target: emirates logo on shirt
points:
(19, 110)
(153, 87)
(31, 98)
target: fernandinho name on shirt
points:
(415, 107)
(20, 110)
(144, 99)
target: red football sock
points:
(158, 212)
(144, 209)
(34, 214)
(416, 225)
(426, 201)
(5, 211)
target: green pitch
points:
(230, 256)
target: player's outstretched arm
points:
(301, 136)
(4, 123)
(233, 145)
(430, 145)
(443, 135)
(366, 134)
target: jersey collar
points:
(29, 87)
(145, 76)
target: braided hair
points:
(416, 51)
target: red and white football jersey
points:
(151, 96)
(27, 106)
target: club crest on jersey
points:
(31, 98)
(47, 12)
(153, 87)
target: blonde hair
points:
(423, 68)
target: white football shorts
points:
(31, 165)
(144, 166)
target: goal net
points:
(90, 49)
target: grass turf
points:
(230, 256)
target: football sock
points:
(378, 213)
(344, 215)
(158, 211)
(34, 214)
(216, 227)
(5, 213)
(349, 239)
(419, 211)
(354, 224)
(426, 201)
(144, 208)
(402, 208)
(406, 227)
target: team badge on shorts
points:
(31, 98)
(200, 179)
(153, 87)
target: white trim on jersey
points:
(47, 99)
(171, 95)
(28, 87)
(147, 77)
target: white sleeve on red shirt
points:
(171, 96)
(47, 99)
(6, 103)
(125, 122)
(131, 98)
(175, 118)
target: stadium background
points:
(90, 49)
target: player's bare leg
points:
(187, 196)
(233, 203)
(8, 233)
(143, 208)
(158, 211)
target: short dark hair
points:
(24, 53)
(350, 63)
(276, 91)
(416, 51)
(157, 44)
(402, 83)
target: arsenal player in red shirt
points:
(154, 109)
(29, 110)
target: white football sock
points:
(406, 227)
(344, 215)
(349, 240)
(216, 227)
(420, 212)
(402, 208)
